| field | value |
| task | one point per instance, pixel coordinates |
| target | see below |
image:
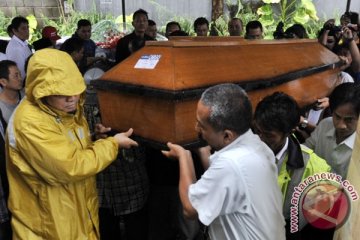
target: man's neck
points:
(10, 96)
(20, 38)
(139, 34)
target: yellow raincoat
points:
(51, 160)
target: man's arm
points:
(187, 176)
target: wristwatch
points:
(304, 124)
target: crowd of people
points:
(63, 179)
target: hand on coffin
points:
(100, 131)
(176, 152)
(323, 103)
(124, 141)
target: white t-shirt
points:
(238, 196)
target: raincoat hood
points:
(52, 72)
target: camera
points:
(333, 28)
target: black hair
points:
(179, 33)
(279, 112)
(237, 19)
(4, 68)
(72, 44)
(17, 21)
(151, 22)
(298, 30)
(230, 108)
(83, 23)
(352, 16)
(345, 93)
(42, 43)
(253, 25)
(200, 21)
(172, 23)
(9, 30)
(140, 11)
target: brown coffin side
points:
(162, 120)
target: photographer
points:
(349, 38)
(330, 35)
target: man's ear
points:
(229, 136)
(3, 82)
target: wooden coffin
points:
(159, 101)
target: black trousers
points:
(135, 225)
(5, 231)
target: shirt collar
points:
(349, 141)
(235, 142)
(24, 43)
(280, 155)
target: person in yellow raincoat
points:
(51, 159)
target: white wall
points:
(330, 8)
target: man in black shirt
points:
(135, 40)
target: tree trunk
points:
(216, 11)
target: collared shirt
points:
(323, 142)
(18, 51)
(280, 156)
(230, 195)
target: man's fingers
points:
(129, 132)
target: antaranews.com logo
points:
(325, 201)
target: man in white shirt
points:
(237, 196)
(18, 49)
(333, 139)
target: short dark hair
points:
(72, 44)
(42, 43)
(172, 23)
(230, 108)
(4, 68)
(298, 30)
(200, 21)
(151, 22)
(279, 112)
(17, 21)
(83, 23)
(253, 25)
(9, 30)
(236, 19)
(345, 93)
(140, 11)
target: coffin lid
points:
(188, 65)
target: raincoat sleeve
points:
(57, 159)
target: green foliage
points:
(4, 23)
(66, 25)
(239, 10)
(269, 13)
(289, 12)
(33, 33)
